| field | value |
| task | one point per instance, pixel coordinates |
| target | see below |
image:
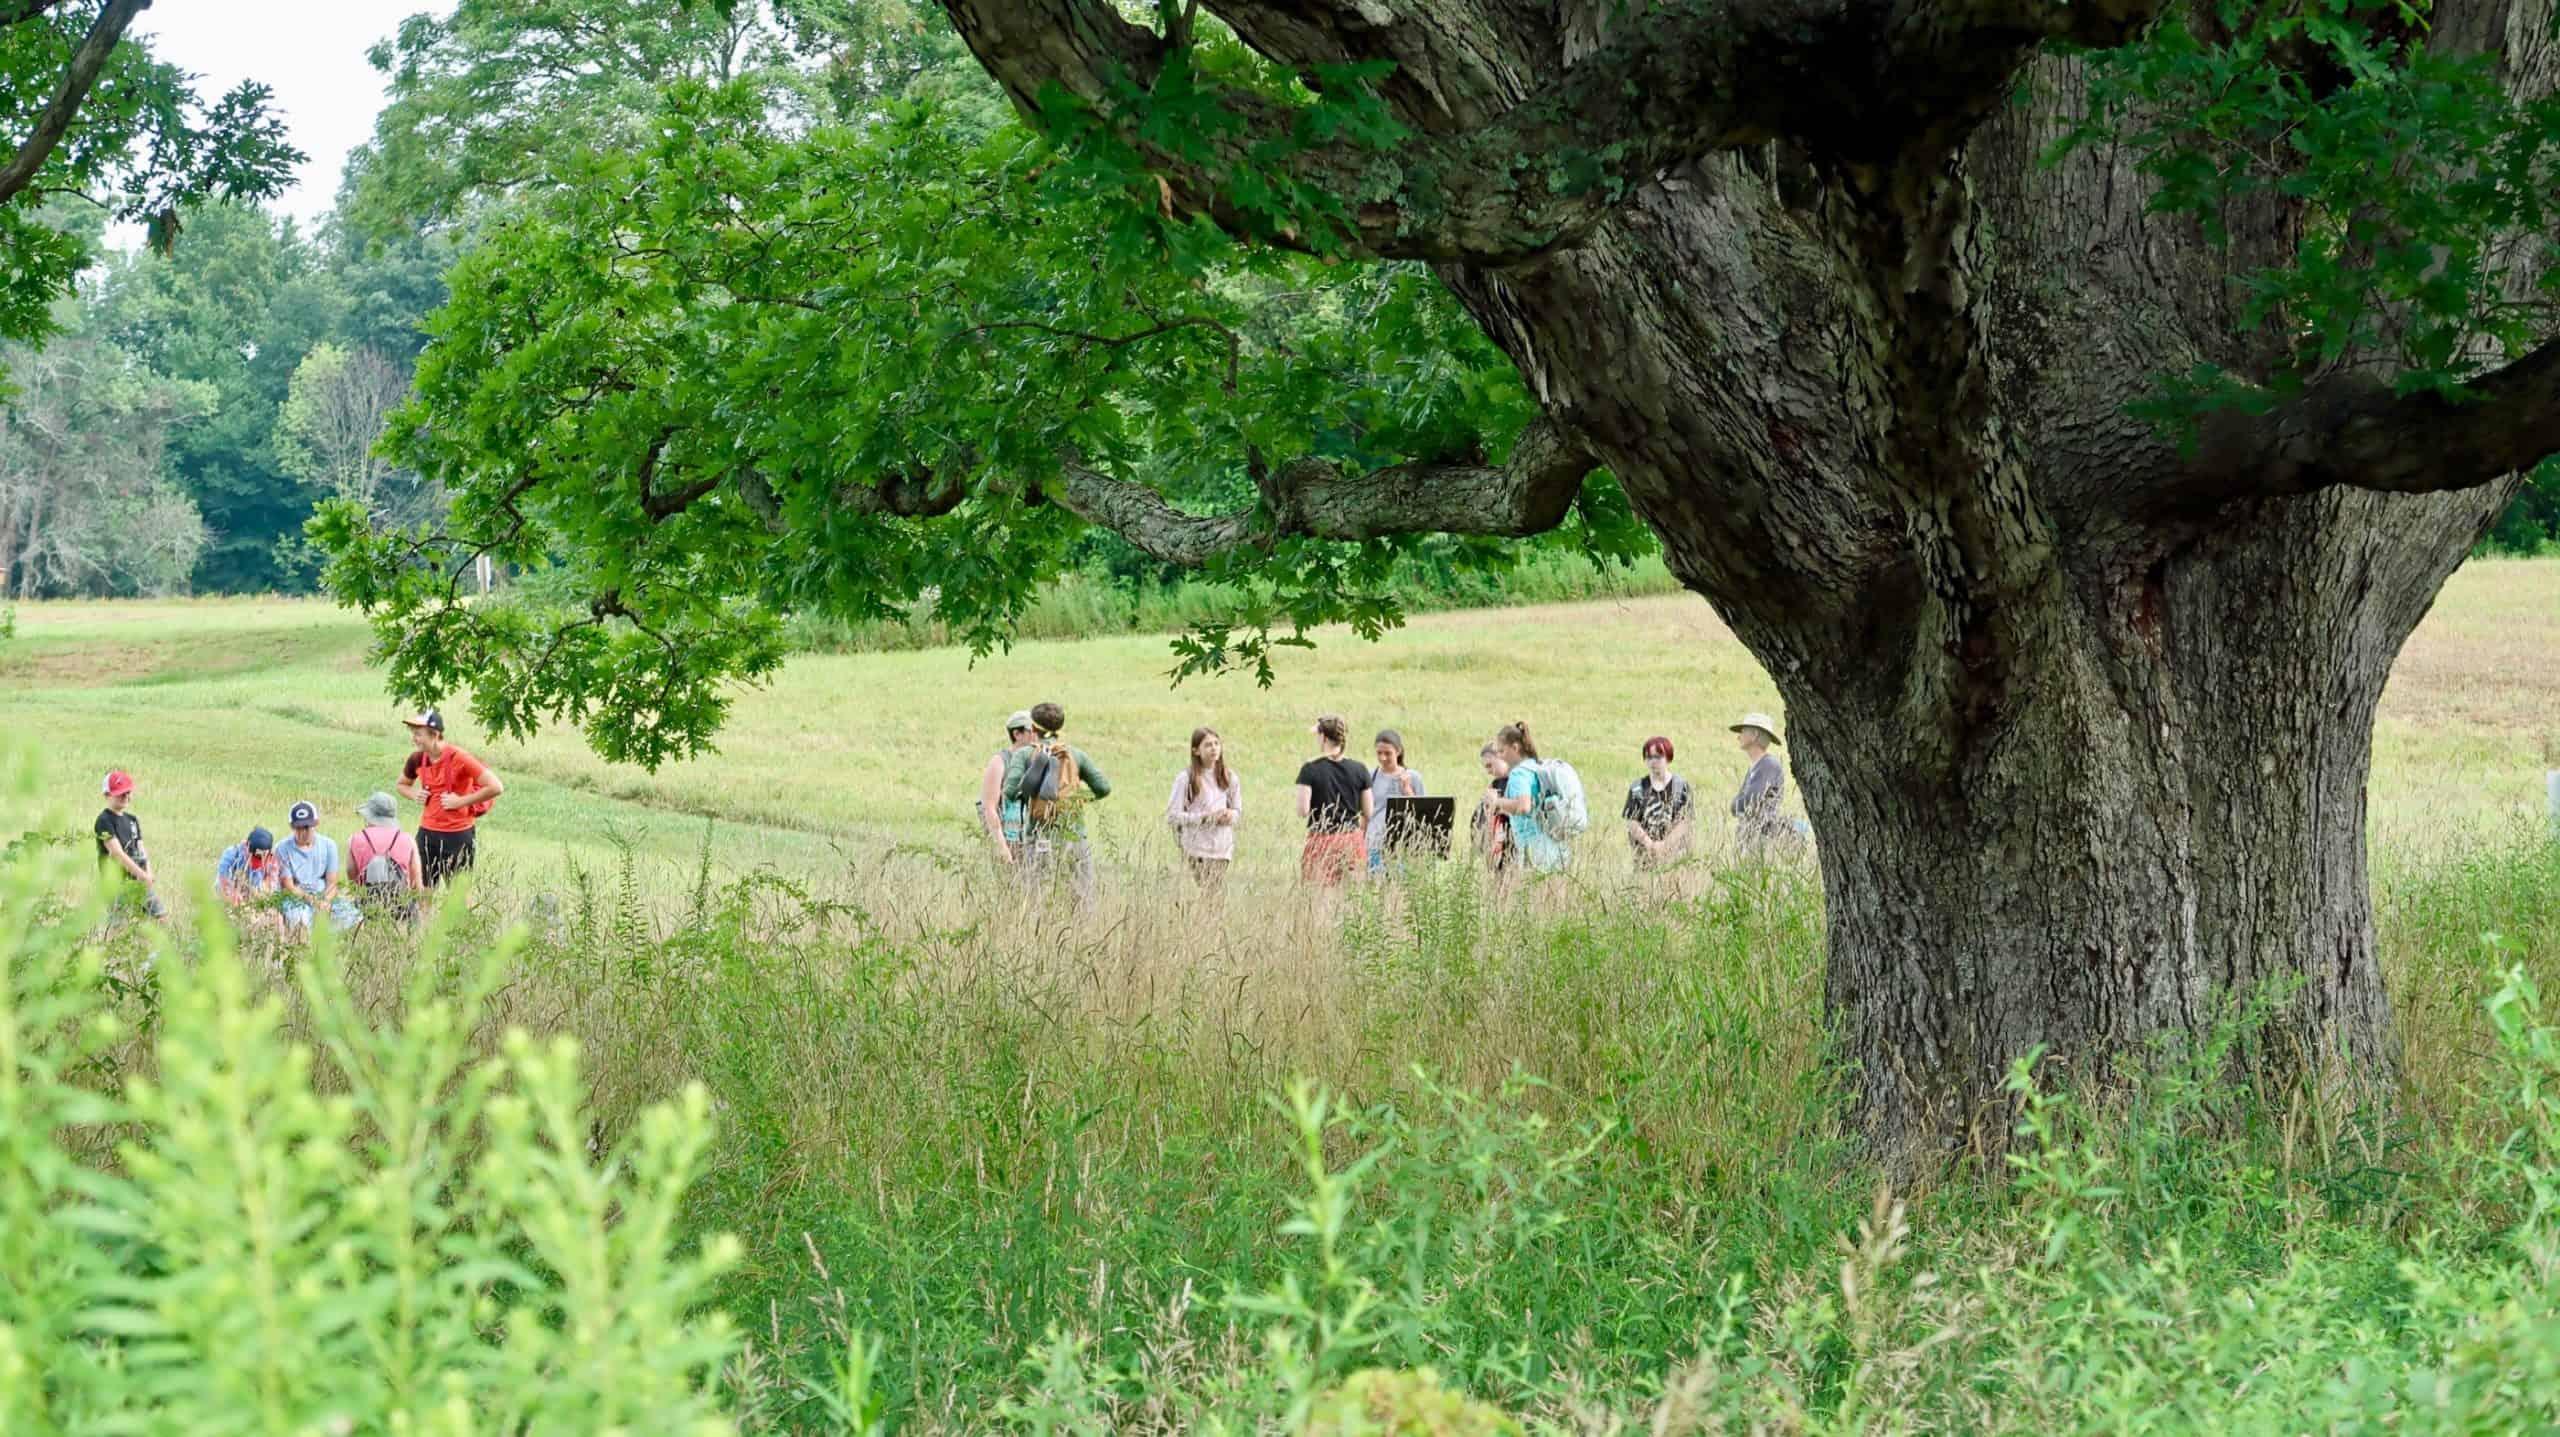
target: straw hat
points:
(1762, 722)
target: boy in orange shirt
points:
(455, 789)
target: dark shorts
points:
(442, 855)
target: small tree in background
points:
(334, 414)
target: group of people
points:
(285, 884)
(1033, 793)
(1032, 802)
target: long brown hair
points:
(1518, 734)
(1225, 783)
(1393, 740)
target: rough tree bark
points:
(2082, 720)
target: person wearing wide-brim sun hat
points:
(1764, 786)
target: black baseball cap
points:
(427, 719)
(303, 816)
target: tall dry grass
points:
(962, 1120)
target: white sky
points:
(312, 52)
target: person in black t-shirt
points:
(1333, 797)
(1660, 807)
(119, 834)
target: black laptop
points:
(1421, 825)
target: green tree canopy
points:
(236, 307)
(488, 101)
(93, 118)
(745, 370)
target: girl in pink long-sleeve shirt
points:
(1204, 808)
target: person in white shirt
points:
(1203, 809)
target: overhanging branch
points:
(86, 63)
(1314, 499)
(1671, 84)
(2356, 433)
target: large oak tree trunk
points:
(2081, 779)
(2119, 863)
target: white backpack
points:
(384, 869)
(1562, 810)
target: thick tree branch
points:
(1683, 80)
(1455, 67)
(77, 81)
(2354, 432)
(910, 494)
(662, 507)
(1314, 499)
(913, 494)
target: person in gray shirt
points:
(1760, 825)
(1392, 778)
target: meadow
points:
(229, 710)
(954, 1164)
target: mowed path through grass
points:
(228, 710)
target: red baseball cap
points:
(117, 782)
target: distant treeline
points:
(190, 410)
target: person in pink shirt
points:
(1204, 808)
(385, 860)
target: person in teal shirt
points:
(1521, 792)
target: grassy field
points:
(1578, 1152)
(227, 711)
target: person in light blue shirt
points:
(1521, 793)
(309, 861)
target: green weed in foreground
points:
(974, 1185)
(206, 1227)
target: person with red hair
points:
(1660, 809)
